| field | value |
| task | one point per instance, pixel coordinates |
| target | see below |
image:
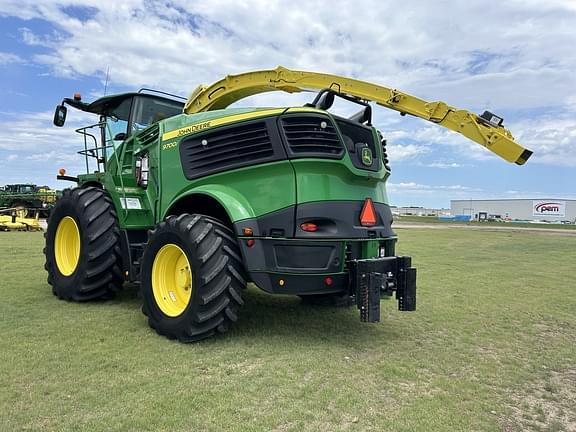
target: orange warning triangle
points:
(368, 214)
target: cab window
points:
(117, 125)
(149, 110)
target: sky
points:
(514, 58)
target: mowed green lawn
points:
(491, 347)
(409, 219)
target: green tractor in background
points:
(193, 200)
(24, 199)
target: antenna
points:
(106, 83)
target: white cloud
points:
(54, 156)
(552, 138)
(9, 58)
(34, 131)
(398, 152)
(37, 149)
(417, 188)
(30, 38)
(428, 50)
(412, 193)
(444, 165)
(425, 140)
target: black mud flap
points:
(374, 278)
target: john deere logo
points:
(366, 156)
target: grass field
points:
(435, 220)
(492, 347)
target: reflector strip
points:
(368, 214)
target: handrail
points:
(99, 158)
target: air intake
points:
(226, 148)
(148, 136)
(309, 136)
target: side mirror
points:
(60, 115)
(120, 137)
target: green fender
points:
(235, 204)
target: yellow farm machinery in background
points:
(27, 199)
(10, 221)
(23, 205)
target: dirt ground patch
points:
(546, 405)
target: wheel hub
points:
(171, 280)
(67, 246)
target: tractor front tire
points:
(83, 257)
(192, 278)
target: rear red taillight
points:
(309, 227)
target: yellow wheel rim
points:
(171, 280)
(21, 211)
(67, 246)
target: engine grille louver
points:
(228, 148)
(289, 136)
(148, 136)
(311, 136)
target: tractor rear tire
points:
(192, 278)
(83, 257)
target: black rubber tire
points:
(99, 270)
(334, 300)
(218, 277)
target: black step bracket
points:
(406, 289)
(374, 278)
(368, 296)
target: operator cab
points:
(121, 116)
(20, 188)
(126, 115)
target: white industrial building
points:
(418, 211)
(550, 210)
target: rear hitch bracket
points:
(374, 278)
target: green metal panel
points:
(370, 248)
(244, 193)
(142, 218)
(330, 179)
(327, 179)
